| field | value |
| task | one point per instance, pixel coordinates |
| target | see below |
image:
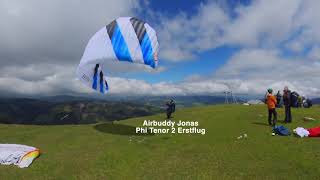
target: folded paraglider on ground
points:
(17, 154)
(311, 132)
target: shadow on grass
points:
(260, 123)
(119, 129)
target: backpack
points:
(281, 130)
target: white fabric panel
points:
(153, 37)
(302, 132)
(85, 75)
(131, 39)
(98, 49)
(154, 40)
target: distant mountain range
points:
(316, 101)
(182, 101)
(68, 111)
(85, 110)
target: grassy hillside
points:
(106, 151)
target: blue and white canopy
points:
(124, 39)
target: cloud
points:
(256, 70)
(296, 46)
(305, 19)
(182, 37)
(250, 71)
(42, 43)
(140, 87)
(262, 24)
(55, 80)
(60, 79)
(314, 53)
(259, 29)
(39, 31)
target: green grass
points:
(106, 152)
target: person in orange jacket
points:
(271, 102)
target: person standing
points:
(287, 104)
(271, 103)
(278, 96)
(171, 107)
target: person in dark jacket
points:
(279, 96)
(171, 107)
(287, 104)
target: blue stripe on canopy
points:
(101, 88)
(107, 87)
(146, 49)
(119, 46)
(95, 80)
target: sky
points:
(206, 47)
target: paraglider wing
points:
(124, 39)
